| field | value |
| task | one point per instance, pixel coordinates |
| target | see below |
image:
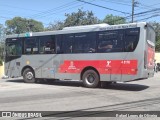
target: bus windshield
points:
(13, 49)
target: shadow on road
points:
(15, 81)
(114, 86)
(126, 87)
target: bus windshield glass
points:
(13, 48)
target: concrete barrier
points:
(2, 70)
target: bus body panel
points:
(13, 68)
(116, 66)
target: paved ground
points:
(65, 96)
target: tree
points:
(57, 25)
(156, 27)
(19, 25)
(1, 53)
(80, 18)
(2, 38)
(75, 19)
(113, 20)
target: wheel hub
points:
(29, 75)
(90, 79)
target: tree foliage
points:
(1, 53)
(75, 19)
(2, 37)
(113, 20)
(80, 18)
(19, 25)
(156, 27)
(57, 25)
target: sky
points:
(49, 11)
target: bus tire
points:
(28, 76)
(90, 79)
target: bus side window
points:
(67, 43)
(105, 46)
(84, 43)
(131, 39)
(58, 44)
(110, 41)
(47, 44)
(31, 46)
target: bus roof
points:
(87, 26)
(79, 29)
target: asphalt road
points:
(62, 96)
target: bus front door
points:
(12, 66)
(48, 70)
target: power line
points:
(67, 9)
(149, 17)
(44, 13)
(7, 12)
(53, 9)
(20, 8)
(149, 11)
(148, 7)
(121, 3)
(54, 12)
(140, 6)
(133, 4)
(103, 7)
(141, 13)
(146, 14)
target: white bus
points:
(92, 53)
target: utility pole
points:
(133, 3)
(29, 26)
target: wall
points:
(1, 70)
(157, 57)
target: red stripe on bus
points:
(128, 67)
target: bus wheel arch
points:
(90, 73)
(28, 74)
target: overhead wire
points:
(148, 17)
(103, 7)
(22, 8)
(50, 11)
(68, 9)
(70, 5)
(118, 2)
(127, 17)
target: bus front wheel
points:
(28, 76)
(90, 79)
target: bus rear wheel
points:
(28, 76)
(90, 79)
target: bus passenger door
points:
(48, 70)
(13, 57)
(47, 51)
(12, 66)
